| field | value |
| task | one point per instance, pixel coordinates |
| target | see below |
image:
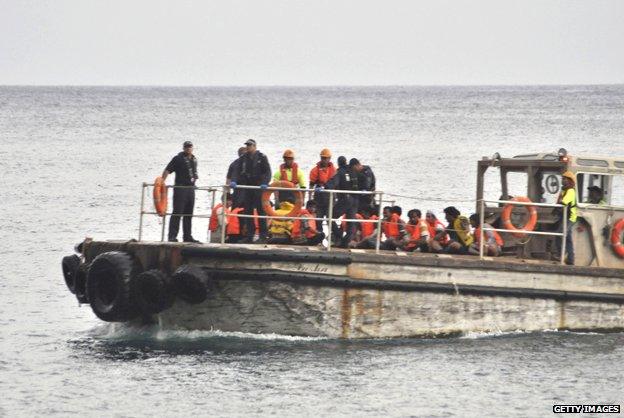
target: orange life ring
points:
(616, 238)
(266, 199)
(160, 196)
(506, 217)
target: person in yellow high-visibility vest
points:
(567, 197)
(289, 171)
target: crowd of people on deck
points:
(252, 168)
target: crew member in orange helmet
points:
(319, 176)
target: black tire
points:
(81, 283)
(108, 287)
(70, 264)
(153, 291)
(192, 284)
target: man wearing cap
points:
(184, 165)
(596, 196)
(289, 171)
(346, 178)
(322, 172)
(567, 197)
(253, 170)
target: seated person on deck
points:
(280, 230)
(304, 231)
(493, 243)
(417, 232)
(232, 228)
(366, 234)
(460, 233)
(438, 238)
(393, 228)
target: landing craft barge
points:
(308, 291)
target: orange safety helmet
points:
(570, 175)
(325, 152)
(289, 154)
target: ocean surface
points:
(72, 162)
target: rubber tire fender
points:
(192, 284)
(81, 283)
(69, 265)
(153, 291)
(108, 287)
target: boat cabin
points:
(538, 177)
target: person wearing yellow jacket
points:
(567, 197)
(459, 230)
(280, 230)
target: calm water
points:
(72, 162)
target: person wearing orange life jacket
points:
(304, 231)
(320, 174)
(233, 224)
(393, 228)
(493, 242)
(367, 231)
(438, 238)
(417, 232)
(289, 171)
(233, 231)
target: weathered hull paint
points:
(362, 295)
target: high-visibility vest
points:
(294, 173)
(282, 226)
(319, 176)
(296, 229)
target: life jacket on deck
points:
(432, 231)
(232, 222)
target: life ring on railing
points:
(616, 238)
(160, 196)
(506, 217)
(266, 199)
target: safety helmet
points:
(570, 175)
(289, 154)
(325, 152)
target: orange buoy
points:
(616, 238)
(160, 196)
(266, 199)
(506, 217)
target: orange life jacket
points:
(296, 229)
(497, 237)
(233, 222)
(214, 218)
(432, 231)
(367, 227)
(295, 174)
(391, 227)
(321, 175)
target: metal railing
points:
(523, 231)
(225, 189)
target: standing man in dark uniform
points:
(253, 170)
(232, 169)
(346, 178)
(184, 165)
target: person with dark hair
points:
(492, 243)
(596, 196)
(253, 170)
(393, 228)
(232, 169)
(459, 231)
(304, 231)
(417, 232)
(366, 182)
(184, 165)
(366, 232)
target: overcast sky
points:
(316, 42)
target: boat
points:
(351, 293)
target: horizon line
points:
(313, 85)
